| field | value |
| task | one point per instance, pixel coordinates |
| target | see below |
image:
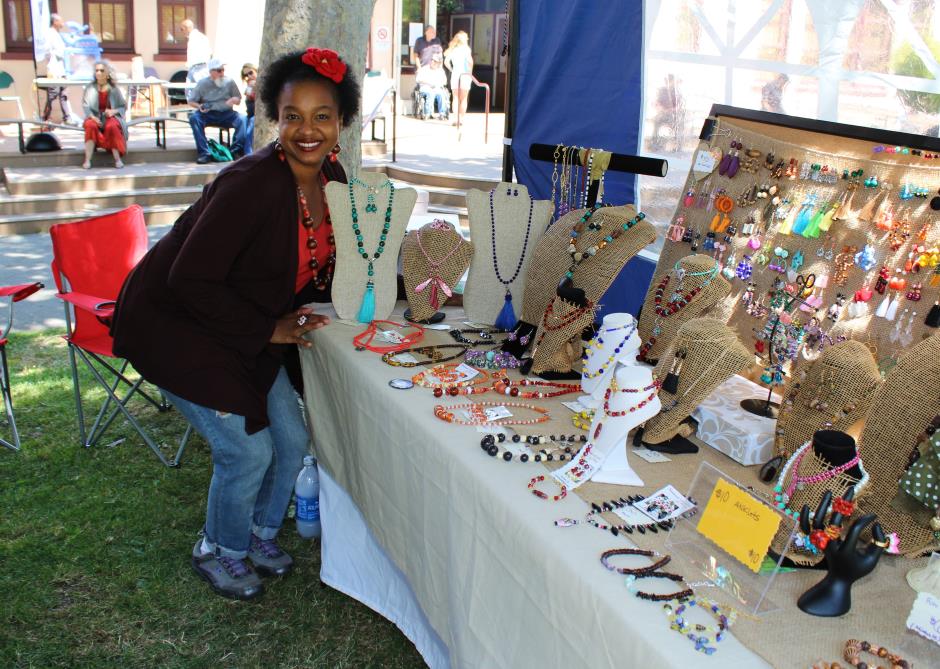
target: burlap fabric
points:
(856, 227)
(351, 275)
(901, 409)
(593, 275)
(843, 378)
(558, 338)
(713, 355)
(432, 244)
(484, 295)
(717, 289)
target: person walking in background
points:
(426, 46)
(249, 76)
(198, 53)
(214, 98)
(104, 107)
(771, 95)
(459, 60)
(55, 69)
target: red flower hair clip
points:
(326, 62)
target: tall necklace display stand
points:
(433, 259)
(618, 331)
(351, 276)
(519, 222)
(628, 393)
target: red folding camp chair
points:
(15, 293)
(91, 259)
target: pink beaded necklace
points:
(435, 281)
(816, 478)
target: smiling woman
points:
(212, 315)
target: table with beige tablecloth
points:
(500, 585)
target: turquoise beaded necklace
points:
(367, 308)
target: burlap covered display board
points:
(593, 275)
(433, 260)
(351, 275)
(902, 407)
(515, 223)
(713, 354)
(811, 175)
(833, 392)
(713, 288)
(558, 338)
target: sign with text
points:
(739, 523)
(925, 617)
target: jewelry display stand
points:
(616, 331)
(713, 354)
(434, 258)
(516, 232)
(558, 339)
(351, 275)
(902, 407)
(613, 437)
(926, 579)
(712, 288)
(592, 275)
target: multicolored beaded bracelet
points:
(490, 444)
(485, 336)
(699, 634)
(447, 413)
(627, 571)
(448, 383)
(507, 387)
(491, 359)
(854, 648)
(563, 492)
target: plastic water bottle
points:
(307, 491)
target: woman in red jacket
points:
(212, 312)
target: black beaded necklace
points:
(485, 336)
(563, 451)
(525, 245)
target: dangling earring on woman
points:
(334, 154)
(279, 149)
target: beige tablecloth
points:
(500, 584)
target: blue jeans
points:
(433, 97)
(249, 135)
(198, 121)
(253, 475)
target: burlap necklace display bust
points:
(433, 257)
(593, 275)
(713, 292)
(484, 295)
(351, 276)
(558, 338)
(833, 392)
(902, 407)
(713, 354)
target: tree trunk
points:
(341, 25)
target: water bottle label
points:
(308, 508)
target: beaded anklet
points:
(434, 356)
(538, 493)
(490, 442)
(640, 571)
(594, 518)
(854, 648)
(653, 597)
(485, 336)
(448, 382)
(363, 340)
(478, 409)
(699, 634)
(506, 387)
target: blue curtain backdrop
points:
(580, 83)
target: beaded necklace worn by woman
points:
(506, 320)
(367, 308)
(435, 281)
(320, 281)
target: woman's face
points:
(308, 121)
(250, 76)
(101, 75)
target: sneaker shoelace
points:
(268, 547)
(235, 568)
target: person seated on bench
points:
(104, 107)
(213, 99)
(432, 86)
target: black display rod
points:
(619, 162)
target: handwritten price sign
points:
(925, 617)
(739, 524)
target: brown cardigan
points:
(196, 315)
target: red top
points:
(321, 233)
(102, 100)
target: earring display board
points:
(558, 338)
(593, 274)
(505, 226)
(902, 407)
(352, 270)
(772, 202)
(712, 355)
(701, 277)
(832, 392)
(434, 258)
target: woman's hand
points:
(291, 327)
(109, 113)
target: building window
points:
(412, 27)
(16, 26)
(170, 13)
(113, 23)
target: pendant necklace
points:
(435, 281)
(506, 320)
(367, 308)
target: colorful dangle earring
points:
(334, 155)
(744, 269)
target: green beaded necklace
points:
(367, 308)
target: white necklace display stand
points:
(613, 330)
(484, 295)
(612, 440)
(351, 274)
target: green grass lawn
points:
(95, 544)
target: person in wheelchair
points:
(432, 88)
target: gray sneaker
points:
(268, 558)
(229, 577)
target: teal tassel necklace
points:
(367, 308)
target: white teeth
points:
(308, 145)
